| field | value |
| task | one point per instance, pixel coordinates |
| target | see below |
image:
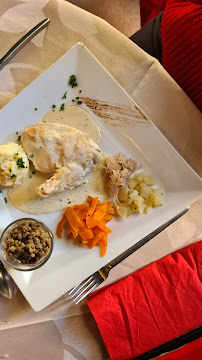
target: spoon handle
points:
(22, 42)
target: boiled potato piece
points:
(158, 191)
(122, 211)
(133, 194)
(156, 201)
(123, 194)
(145, 191)
(148, 206)
(138, 187)
(132, 183)
(138, 200)
(138, 197)
(140, 177)
(149, 181)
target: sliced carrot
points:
(74, 233)
(83, 214)
(84, 242)
(90, 199)
(102, 226)
(60, 227)
(107, 217)
(112, 211)
(103, 239)
(91, 221)
(92, 206)
(93, 241)
(74, 220)
(102, 211)
(103, 249)
(87, 223)
(79, 239)
(69, 233)
(96, 230)
(81, 207)
(86, 234)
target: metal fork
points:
(80, 291)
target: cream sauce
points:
(76, 117)
(24, 196)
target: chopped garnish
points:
(16, 154)
(79, 102)
(0, 191)
(5, 199)
(10, 170)
(73, 81)
(30, 176)
(35, 109)
(19, 138)
(65, 95)
(62, 107)
(16, 132)
(31, 156)
(80, 91)
(44, 121)
(73, 100)
(12, 176)
(33, 172)
(20, 163)
(53, 106)
(77, 97)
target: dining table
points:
(62, 330)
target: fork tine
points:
(86, 294)
(75, 289)
(90, 285)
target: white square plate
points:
(124, 129)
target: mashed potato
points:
(14, 164)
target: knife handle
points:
(22, 42)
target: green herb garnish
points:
(12, 176)
(79, 102)
(5, 199)
(31, 156)
(0, 191)
(20, 163)
(16, 154)
(35, 109)
(53, 106)
(65, 95)
(19, 138)
(77, 97)
(33, 172)
(10, 170)
(73, 81)
(80, 91)
(73, 100)
(16, 132)
(62, 107)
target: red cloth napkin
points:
(152, 306)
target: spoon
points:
(8, 288)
